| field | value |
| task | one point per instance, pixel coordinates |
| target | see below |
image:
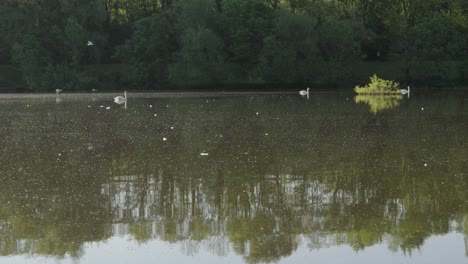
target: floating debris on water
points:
(101, 106)
(422, 108)
(204, 154)
(256, 113)
(151, 106)
(108, 107)
(155, 114)
(164, 139)
(425, 164)
(172, 127)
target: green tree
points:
(29, 57)
(52, 34)
(339, 46)
(150, 50)
(290, 52)
(429, 50)
(438, 38)
(201, 59)
(457, 12)
(75, 38)
(246, 23)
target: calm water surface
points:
(234, 179)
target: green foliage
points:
(9, 76)
(48, 41)
(319, 42)
(196, 13)
(150, 49)
(75, 40)
(65, 77)
(339, 40)
(290, 50)
(338, 45)
(458, 13)
(393, 70)
(436, 73)
(30, 59)
(246, 23)
(378, 86)
(201, 59)
(438, 38)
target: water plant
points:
(378, 86)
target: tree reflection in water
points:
(346, 179)
(378, 103)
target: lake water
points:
(251, 178)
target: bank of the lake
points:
(114, 77)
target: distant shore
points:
(191, 94)
(115, 77)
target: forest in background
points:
(214, 44)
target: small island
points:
(379, 86)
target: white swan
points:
(405, 91)
(121, 99)
(304, 92)
(57, 91)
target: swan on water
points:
(57, 91)
(304, 92)
(121, 99)
(406, 91)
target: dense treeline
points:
(157, 44)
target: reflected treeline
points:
(274, 169)
(378, 103)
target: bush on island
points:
(378, 86)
